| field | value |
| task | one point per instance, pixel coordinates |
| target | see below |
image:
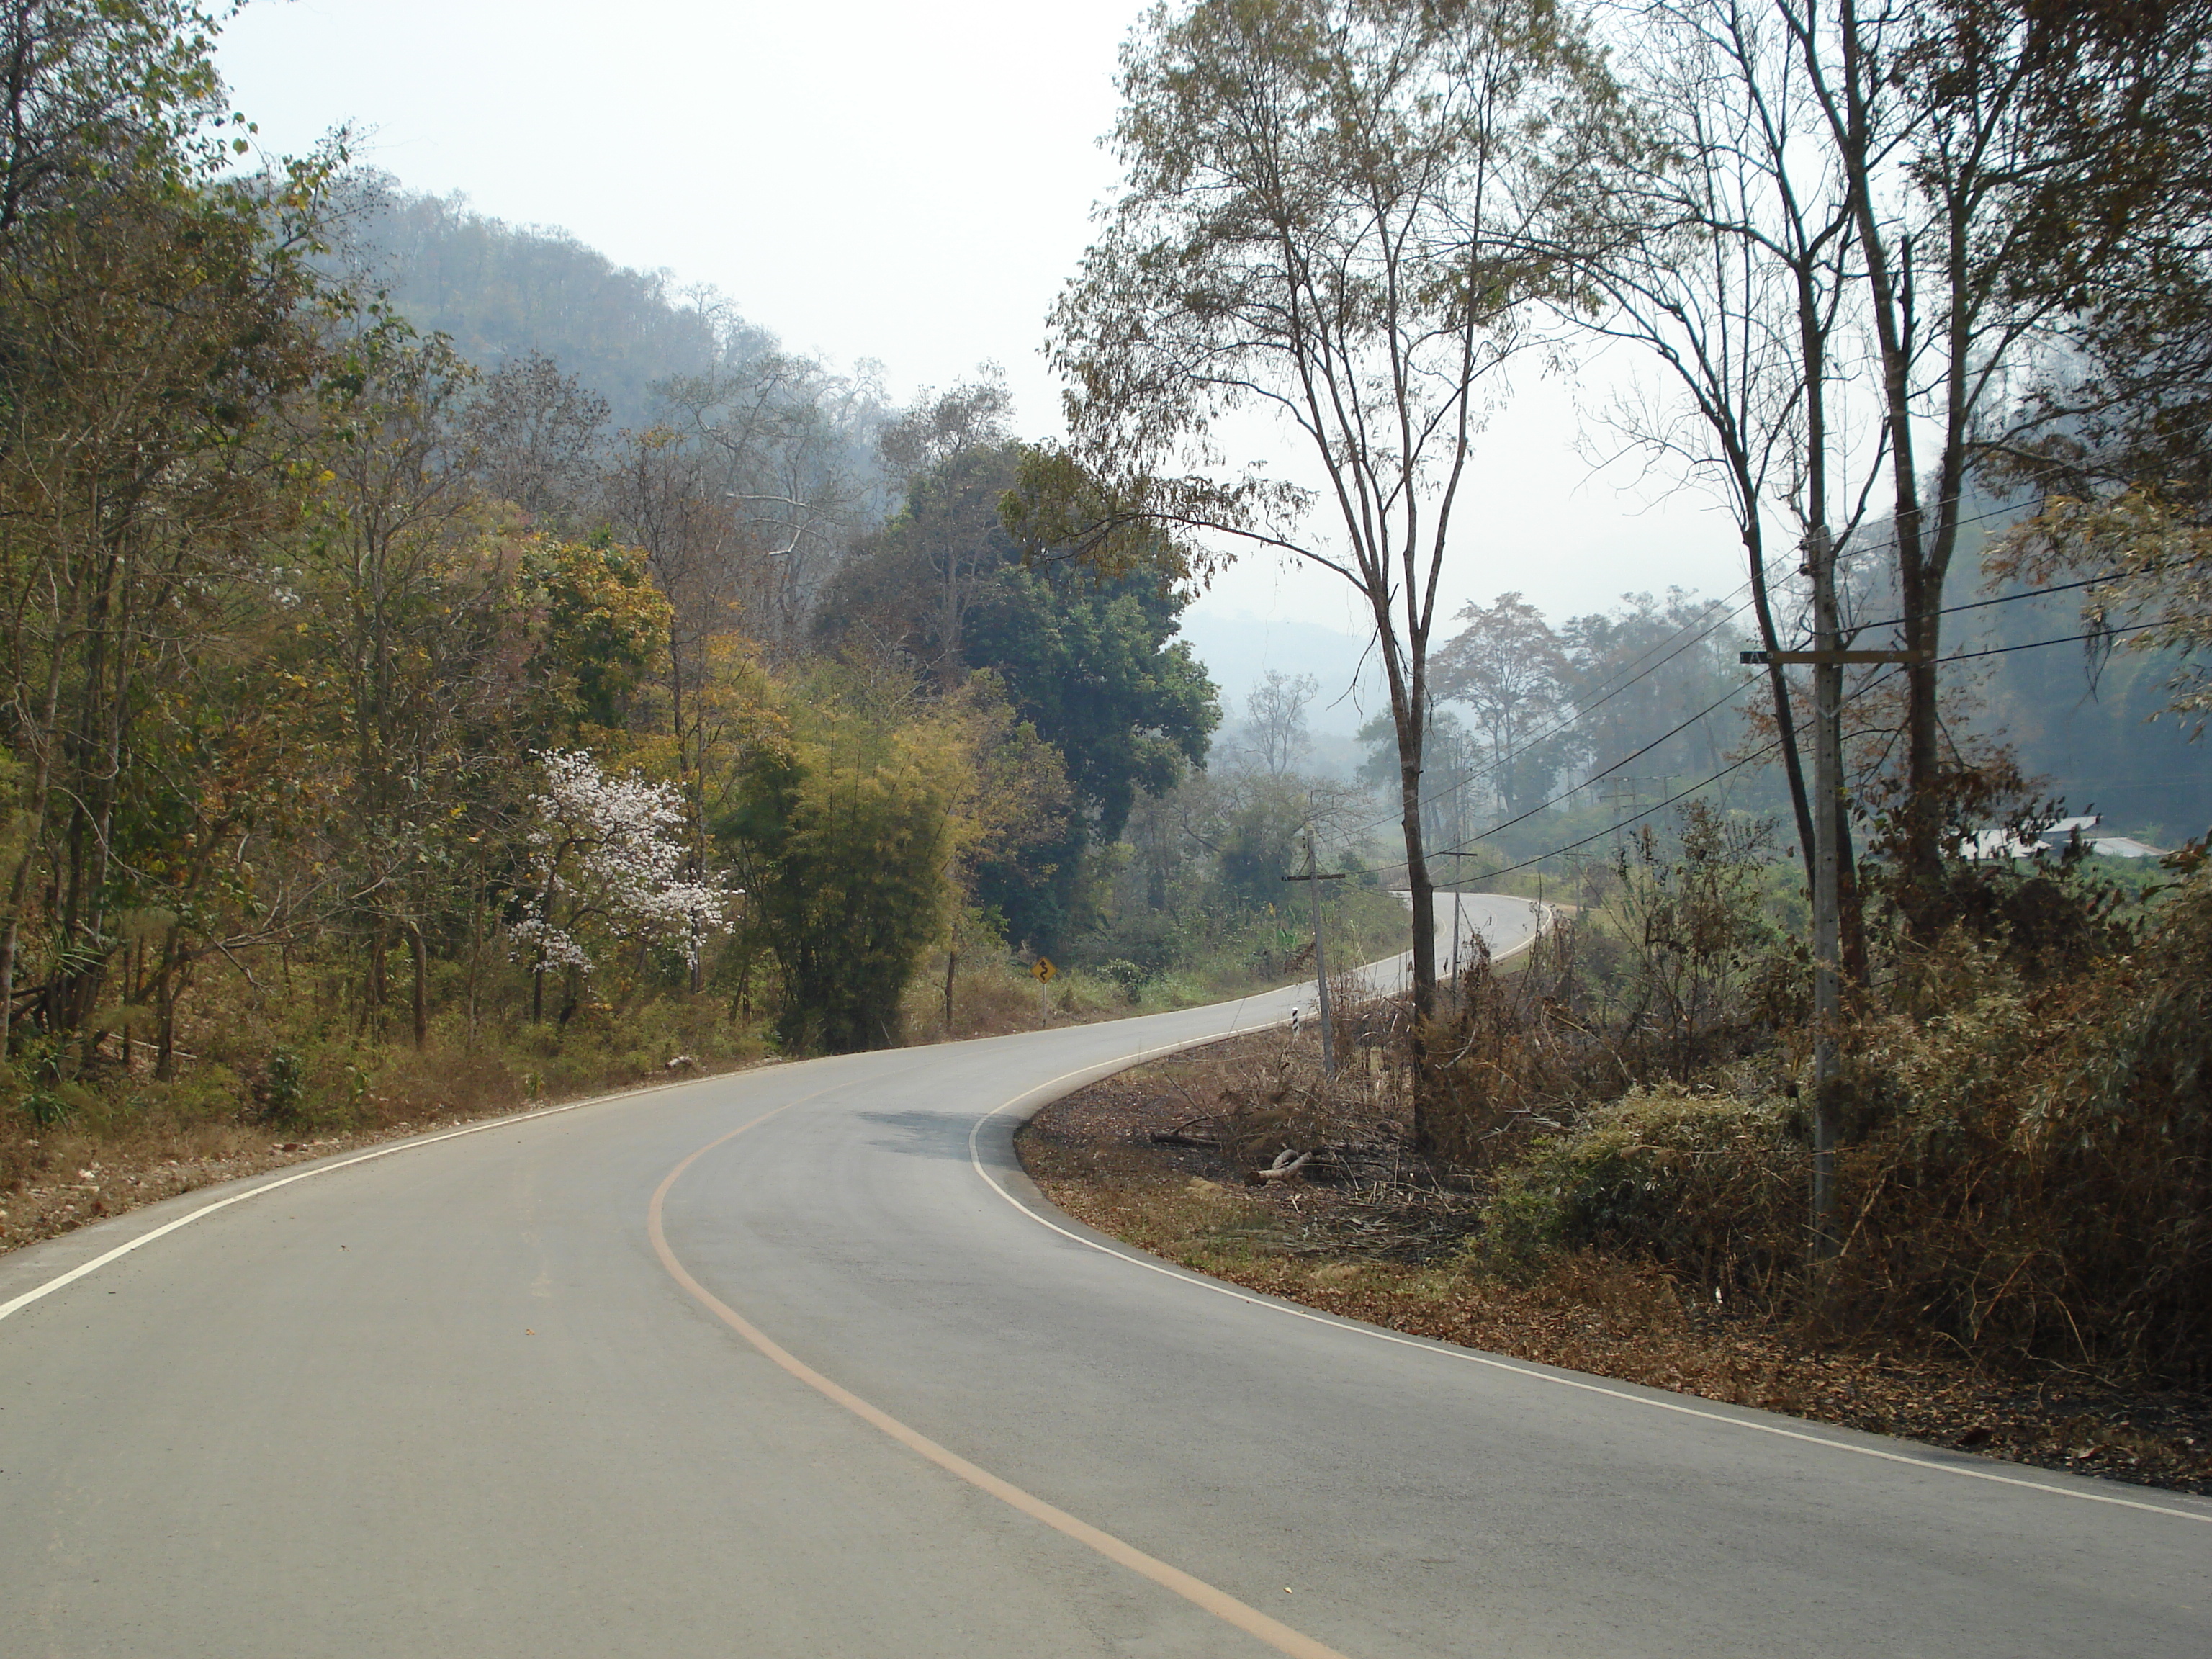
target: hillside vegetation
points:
(443, 670)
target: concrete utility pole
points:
(1827, 892)
(1459, 922)
(1314, 879)
(1827, 660)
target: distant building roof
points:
(2125, 847)
(2005, 844)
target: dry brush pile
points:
(2028, 1153)
(2027, 1164)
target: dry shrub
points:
(1289, 1107)
(1510, 1054)
(2030, 1173)
(1679, 970)
(2044, 1186)
(1709, 1186)
(991, 996)
(417, 1085)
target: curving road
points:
(794, 1363)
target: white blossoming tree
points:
(607, 861)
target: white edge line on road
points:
(1044, 1093)
(9, 1309)
(1241, 1616)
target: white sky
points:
(904, 182)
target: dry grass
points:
(265, 1085)
(63, 1178)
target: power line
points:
(2073, 639)
(1572, 846)
(1963, 656)
(1731, 694)
(1500, 761)
(1503, 760)
(2001, 599)
(2001, 512)
(1768, 748)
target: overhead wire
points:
(2001, 599)
(1547, 735)
(1732, 693)
(1710, 708)
(1500, 761)
(1768, 747)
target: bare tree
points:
(946, 454)
(537, 437)
(1945, 125)
(1275, 719)
(787, 446)
(1732, 271)
(1326, 222)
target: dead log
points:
(1286, 1164)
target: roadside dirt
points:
(1095, 1154)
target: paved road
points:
(635, 1378)
(1507, 925)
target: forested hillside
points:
(501, 292)
(441, 666)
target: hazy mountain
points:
(503, 290)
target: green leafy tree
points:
(848, 826)
(1089, 661)
(156, 317)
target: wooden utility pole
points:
(1827, 659)
(1314, 879)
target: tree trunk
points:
(1777, 686)
(1922, 561)
(422, 1010)
(34, 818)
(165, 1008)
(372, 1009)
(1423, 895)
(475, 959)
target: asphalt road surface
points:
(795, 1364)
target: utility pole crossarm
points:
(1339, 876)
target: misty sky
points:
(903, 182)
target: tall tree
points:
(154, 316)
(1275, 719)
(1966, 178)
(947, 455)
(1088, 658)
(535, 437)
(1732, 267)
(1507, 667)
(1326, 221)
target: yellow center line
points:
(1221, 1605)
